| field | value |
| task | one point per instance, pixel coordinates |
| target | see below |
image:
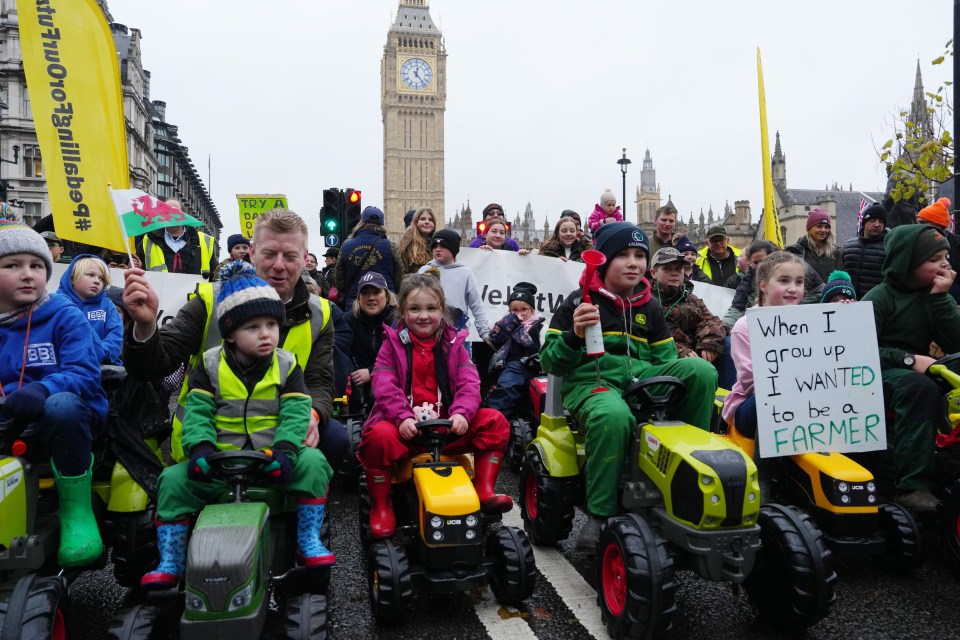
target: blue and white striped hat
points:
(243, 296)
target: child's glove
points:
(281, 469)
(199, 468)
(26, 402)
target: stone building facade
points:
(413, 75)
(26, 179)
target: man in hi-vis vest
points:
(177, 249)
(278, 252)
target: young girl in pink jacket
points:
(423, 371)
(606, 211)
(779, 282)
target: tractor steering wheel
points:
(640, 399)
(431, 438)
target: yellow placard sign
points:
(252, 206)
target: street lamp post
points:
(623, 162)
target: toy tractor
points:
(31, 603)
(842, 497)
(522, 428)
(689, 500)
(237, 546)
(444, 543)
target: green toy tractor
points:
(237, 546)
(689, 500)
(444, 543)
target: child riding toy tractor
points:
(444, 543)
(689, 500)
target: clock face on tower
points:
(416, 73)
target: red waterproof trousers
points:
(382, 445)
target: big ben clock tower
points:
(413, 77)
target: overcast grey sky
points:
(541, 96)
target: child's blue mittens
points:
(26, 402)
(281, 469)
(199, 468)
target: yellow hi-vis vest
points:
(247, 420)
(299, 342)
(153, 254)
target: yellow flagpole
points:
(771, 220)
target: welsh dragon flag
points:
(140, 213)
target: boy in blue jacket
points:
(85, 283)
(52, 379)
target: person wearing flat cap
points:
(718, 260)
(366, 249)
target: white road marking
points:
(512, 628)
(575, 592)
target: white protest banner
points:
(816, 372)
(717, 299)
(171, 288)
(497, 271)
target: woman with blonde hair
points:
(414, 252)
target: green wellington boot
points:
(80, 543)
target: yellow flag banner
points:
(771, 220)
(253, 206)
(73, 76)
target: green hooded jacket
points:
(908, 319)
(635, 337)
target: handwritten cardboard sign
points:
(817, 379)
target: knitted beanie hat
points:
(928, 242)
(235, 239)
(611, 239)
(446, 238)
(838, 283)
(818, 216)
(938, 213)
(524, 292)
(607, 195)
(243, 296)
(875, 211)
(16, 237)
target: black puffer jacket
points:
(823, 265)
(863, 260)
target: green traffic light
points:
(330, 225)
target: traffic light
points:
(482, 228)
(351, 208)
(331, 217)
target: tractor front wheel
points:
(390, 583)
(306, 618)
(904, 552)
(635, 584)
(792, 583)
(31, 608)
(513, 573)
(546, 503)
(140, 622)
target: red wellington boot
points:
(383, 523)
(486, 465)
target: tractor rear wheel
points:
(32, 608)
(390, 583)
(546, 503)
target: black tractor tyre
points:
(32, 608)
(140, 622)
(792, 584)
(546, 503)
(904, 551)
(390, 582)
(134, 546)
(351, 468)
(949, 517)
(636, 589)
(306, 618)
(521, 433)
(513, 574)
(363, 510)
